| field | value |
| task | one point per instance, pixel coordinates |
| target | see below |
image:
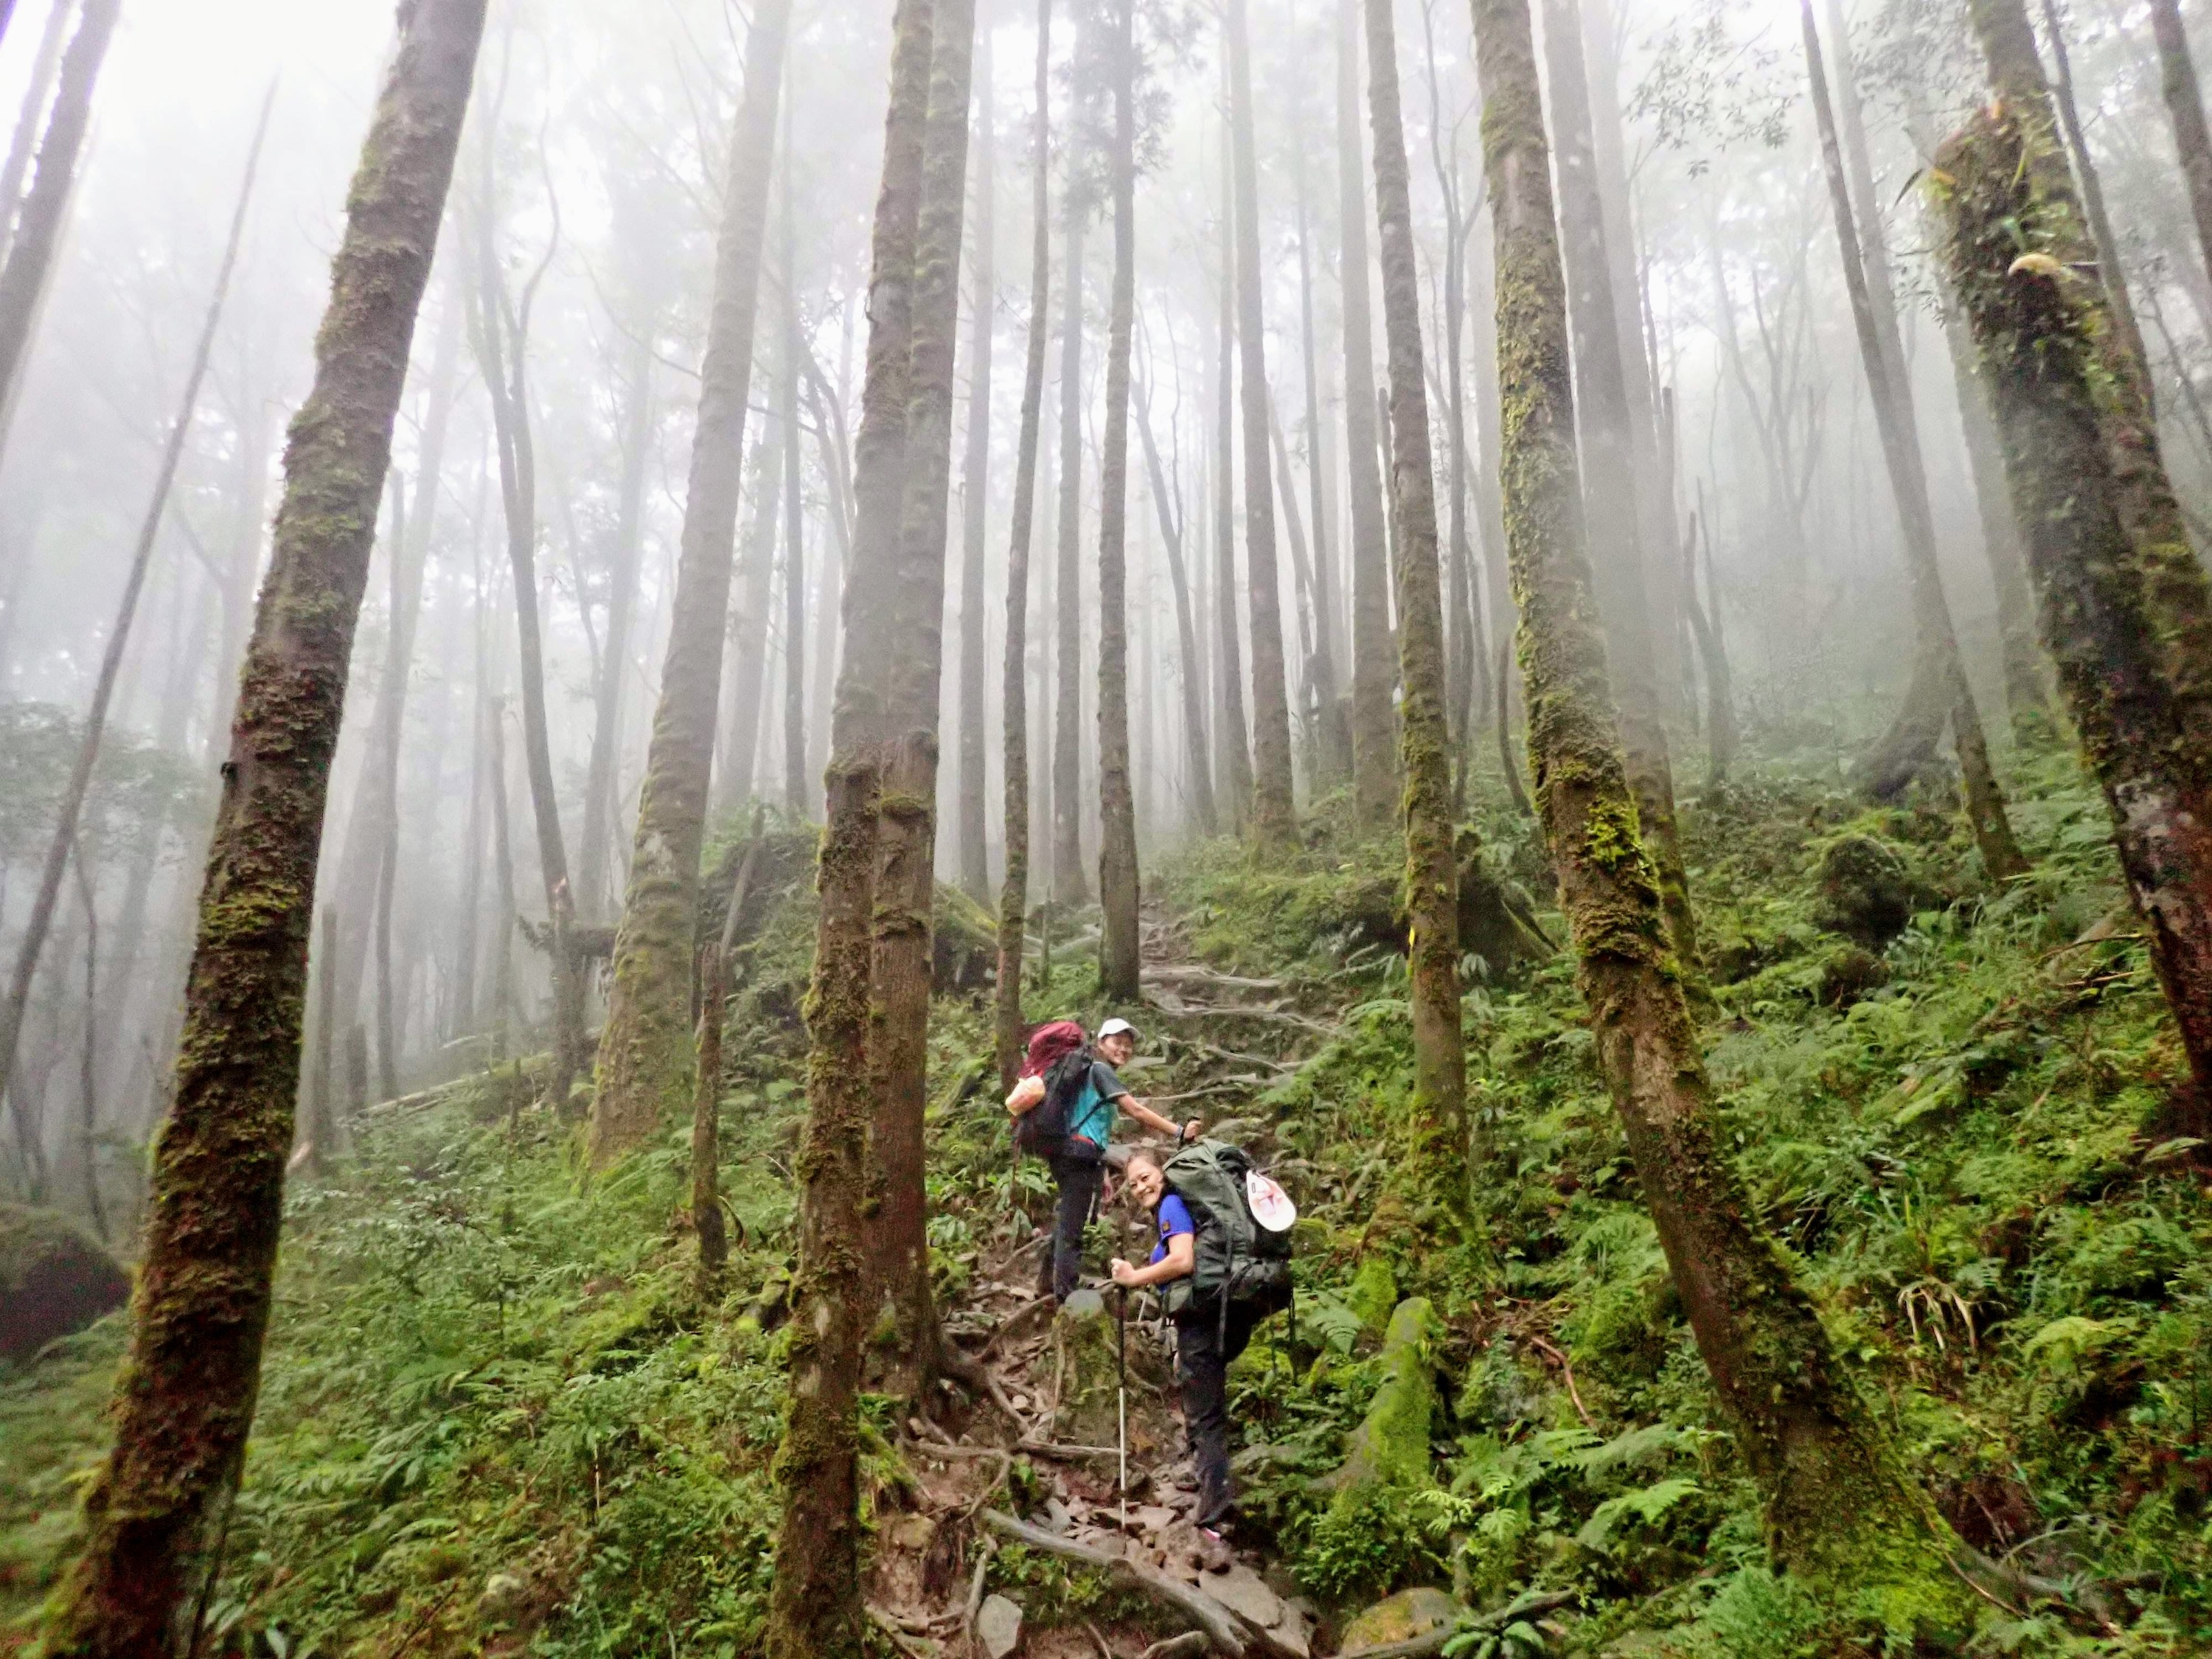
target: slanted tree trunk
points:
(47, 897)
(1068, 885)
(1014, 895)
(1117, 854)
(975, 497)
(36, 92)
(2014, 240)
(38, 227)
(501, 325)
(903, 639)
(1274, 813)
(1882, 353)
(1232, 755)
(1438, 1172)
(1837, 1508)
(1624, 600)
(2092, 198)
(184, 1397)
(646, 1060)
(2185, 105)
(1194, 688)
(814, 1592)
(1374, 721)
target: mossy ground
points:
(496, 1418)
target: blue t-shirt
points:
(1173, 1218)
(1093, 1116)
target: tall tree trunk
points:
(1068, 885)
(1625, 601)
(1117, 855)
(184, 1397)
(1232, 755)
(1274, 814)
(2185, 105)
(904, 640)
(503, 342)
(646, 1058)
(602, 788)
(1374, 736)
(1437, 1173)
(798, 788)
(2040, 332)
(1335, 717)
(1836, 1506)
(1307, 702)
(1193, 684)
(79, 784)
(36, 92)
(1014, 895)
(736, 773)
(386, 766)
(38, 227)
(89, 1054)
(1882, 354)
(975, 497)
(1721, 733)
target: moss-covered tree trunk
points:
(1617, 561)
(1014, 895)
(904, 637)
(1882, 354)
(646, 1060)
(1837, 1506)
(976, 494)
(1374, 731)
(2039, 325)
(1117, 807)
(814, 1605)
(1438, 1174)
(1274, 813)
(185, 1398)
(707, 1223)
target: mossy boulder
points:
(964, 942)
(1496, 921)
(1866, 890)
(55, 1280)
(1390, 1447)
(1848, 973)
(1406, 1617)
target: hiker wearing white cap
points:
(1079, 1166)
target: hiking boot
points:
(1214, 1554)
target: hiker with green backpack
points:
(1223, 1263)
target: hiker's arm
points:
(1152, 1120)
(1175, 1264)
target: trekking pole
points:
(1121, 1403)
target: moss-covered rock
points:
(964, 942)
(1373, 1294)
(1390, 1447)
(1405, 1617)
(55, 1280)
(1866, 890)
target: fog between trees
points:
(1675, 336)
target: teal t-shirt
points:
(1093, 1116)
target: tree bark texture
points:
(1374, 721)
(38, 227)
(1438, 1172)
(2039, 327)
(185, 1398)
(47, 897)
(707, 1223)
(1274, 813)
(1013, 895)
(1614, 535)
(2095, 213)
(1068, 885)
(1117, 855)
(1837, 1508)
(1882, 353)
(815, 1594)
(645, 1060)
(976, 495)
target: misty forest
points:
(962, 829)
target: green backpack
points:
(1238, 1262)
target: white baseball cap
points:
(1116, 1028)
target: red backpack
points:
(1060, 1053)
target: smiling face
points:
(1118, 1048)
(1146, 1182)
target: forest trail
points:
(1056, 1384)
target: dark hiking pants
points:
(1078, 1176)
(1202, 1360)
